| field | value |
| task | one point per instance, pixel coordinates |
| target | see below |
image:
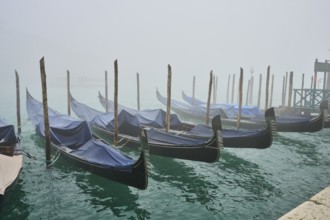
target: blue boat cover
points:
(66, 131)
(7, 133)
(163, 137)
(76, 134)
(230, 109)
(197, 110)
(129, 122)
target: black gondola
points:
(258, 138)
(283, 124)
(159, 142)
(73, 139)
(11, 160)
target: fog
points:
(194, 37)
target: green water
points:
(244, 184)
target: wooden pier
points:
(308, 100)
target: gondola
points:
(73, 139)
(283, 124)
(160, 142)
(232, 138)
(11, 160)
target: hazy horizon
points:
(194, 37)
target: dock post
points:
(45, 109)
(193, 91)
(227, 99)
(259, 92)
(115, 138)
(106, 92)
(209, 99)
(302, 90)
(215, 81)
(247, 93)
(271, 92)
(290, 89)
(240, 97)
(18, 104)
(168, 105)
(232, 89)
(138, 90)
(68, 91)
(251, 86)
(267, 88)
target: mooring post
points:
(283, 93)
(45, 109)
(285, 86)
(115, 138)
(138, 90)
(18, 104)
(302, 90)
(240, 97)
(68, 91)
(215, 82)
(267, 88)
(227, 99)
(106, 92)
(259, 92)
(193, 91)
(168, 105)
(251, 86)
(271, 92)
(290, 89)
(209, 99)
(247, 93)
(232, 89)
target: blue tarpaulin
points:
(7, 133)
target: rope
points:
(55, 158)
(122, 145)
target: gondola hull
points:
(137, 177)
(208, 152)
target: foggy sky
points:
(194, 37)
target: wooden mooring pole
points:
(193, 91)
(106, 92)
(18, 104)
(138, 90)
(271, 92)
(259, 92)
(240, 99)
(115, 137)
(215, 82)
(68, 91)
(247, 93)
(168, 105)
(227, 99)
(290, 89)
(232, 89)
(302, 89)
(251, 87)
(45, 109)
(267, 88)
(209, 99)
(283, 93)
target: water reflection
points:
(240, 174)
(116, 197)
(16, 205)
(175, 172)
(303, 145)
(104, 195)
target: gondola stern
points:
(143, 162)
(271, 120)
(217, 130)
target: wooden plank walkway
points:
(317, 207)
